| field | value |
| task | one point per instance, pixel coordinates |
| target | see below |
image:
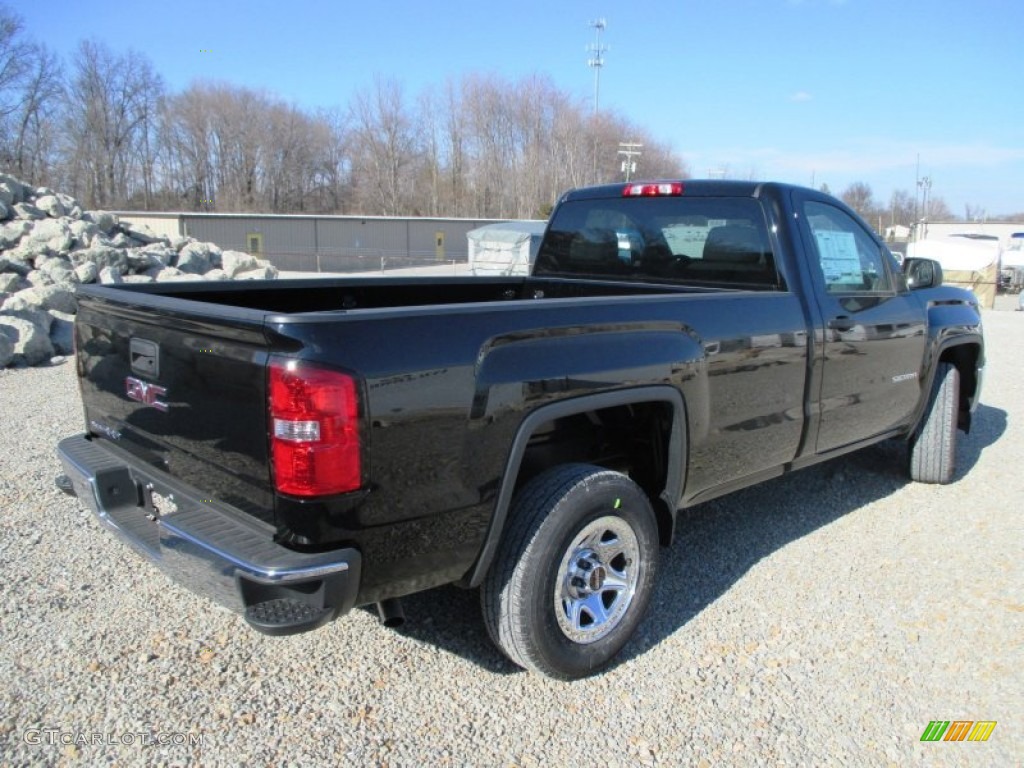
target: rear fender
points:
(675, 461)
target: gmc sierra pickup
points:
(297, 448)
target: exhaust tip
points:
(391, 614)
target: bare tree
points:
(860, 197)
(384, 131)
(186, 148)
(14, 61)
(30, 89)
(333, 170)
(455, 151)
(31, 129)
(428, 185)
(936, 209)
(974, 212)
(111, 102)
(901, 208)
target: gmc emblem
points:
(145, 393)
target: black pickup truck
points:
(293, 449)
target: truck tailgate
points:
(184, 392)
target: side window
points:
(851, 261)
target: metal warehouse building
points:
(323, 243)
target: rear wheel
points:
(575, 573)
(933, 446)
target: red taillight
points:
(656, 189)
(314, 429)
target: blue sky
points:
(806, 91)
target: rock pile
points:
(48, 245)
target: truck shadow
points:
(716, 544)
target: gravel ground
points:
(823, 618)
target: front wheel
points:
(933, 446)
(575, 572)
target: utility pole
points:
(629, 150)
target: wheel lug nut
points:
(578, 582)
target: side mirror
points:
(922, 273)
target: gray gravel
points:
(823, 618)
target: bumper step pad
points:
(286, 616)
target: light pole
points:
(596, 60)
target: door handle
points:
(841, 323)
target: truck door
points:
(872, 332)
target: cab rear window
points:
(710, 240)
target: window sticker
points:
(839, 258)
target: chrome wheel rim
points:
(597, 579)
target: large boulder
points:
(102, 256)
(31, 342)
(87, 272)
(195, 258)
(48, 236)
(83, 232)
(58, 269)
(12, 232)
(51, 206)
(69, 203)
(10, 282)
(23, 311)
(233, 262)
(180, 241)
(121, 240)
(111, 275)
(12, 263)
(11, 190)
(28, 211)
(37, 278)
(105, 221)
(43, 298)
(149, 256)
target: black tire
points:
(550, 601)
(933, 445)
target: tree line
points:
(105, 128)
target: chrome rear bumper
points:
(210, 547)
